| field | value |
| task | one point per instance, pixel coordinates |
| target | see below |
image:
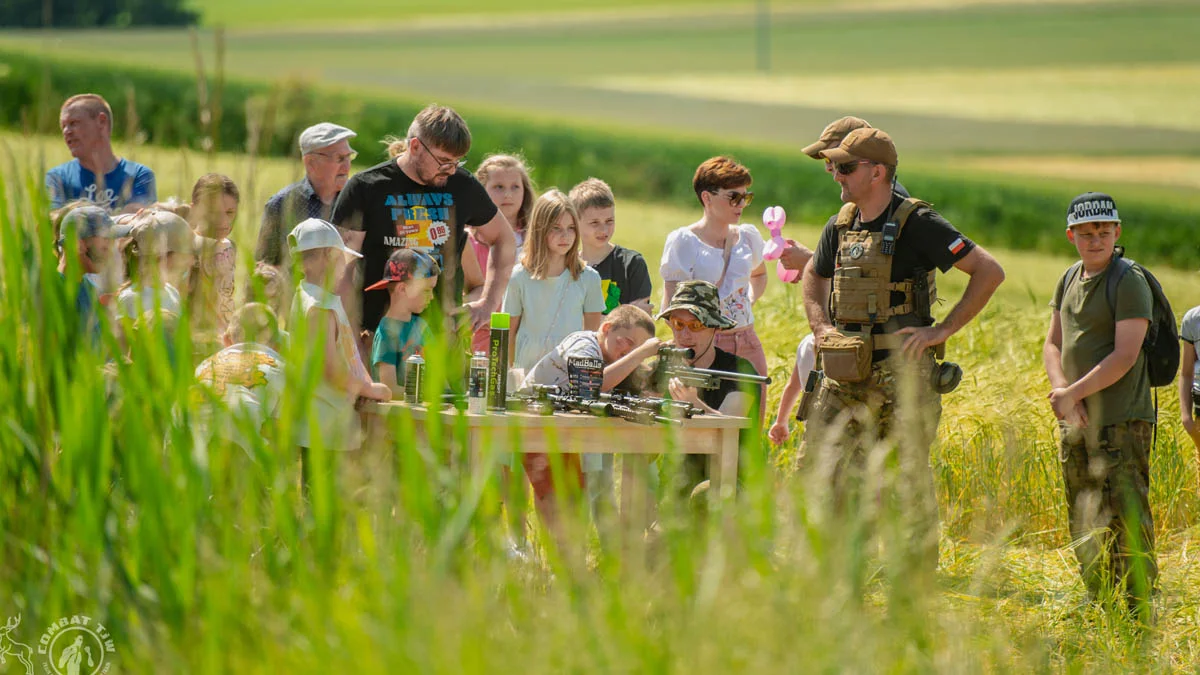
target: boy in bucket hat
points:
(409, 278)
(1100, 393)
(334, 424)
(694, 316)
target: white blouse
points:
(686, 257)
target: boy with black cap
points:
(409, 278)
(1100, 393)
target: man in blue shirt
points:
(327, 155)
(96, 173)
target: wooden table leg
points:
(723, 465)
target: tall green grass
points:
(208, 560)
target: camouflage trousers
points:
(867, 444)
(1107, 478)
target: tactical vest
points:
(862, 280)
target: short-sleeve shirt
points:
(285, 210)
(128, 183)
(395, 341)
(1089, 335)
(552, 368)
(928, 241)
(550, 310)
(332, 409)
(686, 257)
(394, 211)
(731, 363)
(248, 378)
(135, 301)
(1189, 332)
(806, 357)
(624, 277)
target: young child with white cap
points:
(333, 422)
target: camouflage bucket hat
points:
(701, 299)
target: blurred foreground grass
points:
(206, 562)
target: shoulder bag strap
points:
(730, 242)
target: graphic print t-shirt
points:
(623, 277)
(128, 182)
(395, 211)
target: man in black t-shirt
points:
(875, 330)
(694, 315)
(424, 199)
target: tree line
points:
(95, 13)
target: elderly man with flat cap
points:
(868, 293)
(326, 152)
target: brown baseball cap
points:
(833, 135)
(870, 144)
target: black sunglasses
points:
(737, 199)
(847, 168)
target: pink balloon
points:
(773, 218)
(784, 274)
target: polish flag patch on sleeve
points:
(957, 245)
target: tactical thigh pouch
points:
(846, 358)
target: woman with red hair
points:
(719, 250)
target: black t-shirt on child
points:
(397, 212)
(623, 277)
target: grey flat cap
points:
(322, 135)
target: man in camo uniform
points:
(868, 294)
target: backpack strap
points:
(1120, 265)
(906, 209)
(846, 215)
(1072, 275)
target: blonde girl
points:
(561, 293)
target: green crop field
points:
(1074, 77)
(209, 562)
(211, 567)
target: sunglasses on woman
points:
(736, 199)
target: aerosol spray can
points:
(497, 377)
(414, 370)
(477, 384)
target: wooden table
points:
(712, 435)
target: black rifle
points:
(546, 400)
(673, 363)
(659, 406)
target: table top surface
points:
(557, 420)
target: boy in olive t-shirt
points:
(1100, 393)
